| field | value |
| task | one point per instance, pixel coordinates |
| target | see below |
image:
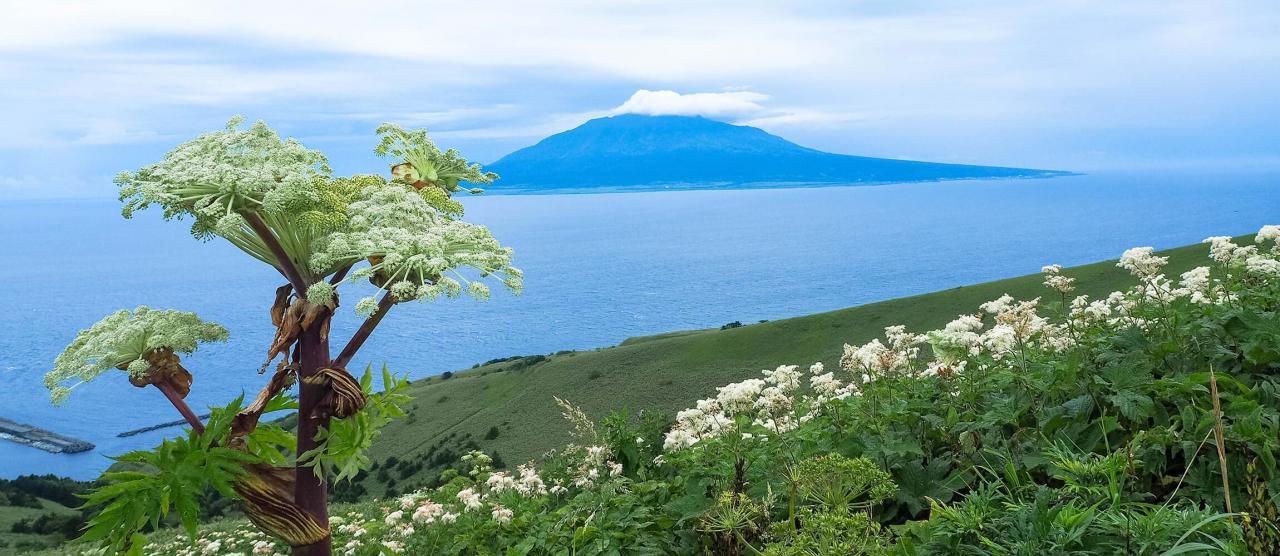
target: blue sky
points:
(91, 88)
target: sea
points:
(599, 268)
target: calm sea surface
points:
(599, 268)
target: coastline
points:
(735, 186)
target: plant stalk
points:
(340, 274)
(309, 489)
(181, 406)
(366, 328)
(1218, 437)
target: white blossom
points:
(1268, 233)
(1054, 280)
(428, 512)
(1258, 264)
(502, 515)
(471, 500)
(1142, 262)
(122, 340)
(1221, 248)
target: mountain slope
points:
(631, 150)
(507, 407)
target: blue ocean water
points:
(599, 268)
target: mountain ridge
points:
(633, 151)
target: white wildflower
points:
(998, 305)
(739, 396)
(471, 500)
(393, 518)
(502, 515)
(500, 481)
(786, 377)
(1054, 280)
(1268, 233)
(1258, 264)
(1221, 248)
(1142, 262)
(530, 483)
(428, 512)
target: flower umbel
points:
(122, 340)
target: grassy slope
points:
(19, 543)
(670, 371)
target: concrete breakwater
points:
(165, 425)
(39, 438)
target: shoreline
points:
(750, 186)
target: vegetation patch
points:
(1142, 421)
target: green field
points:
(666, 372)
(21, 543)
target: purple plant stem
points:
(366, 328)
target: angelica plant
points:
(136, 342)
(277, 200)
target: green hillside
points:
(506, 408)
(19, 543)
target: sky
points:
(93, 88)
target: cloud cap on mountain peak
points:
(672, 103)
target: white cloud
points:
(983, 81)
(671, 103)
(114, 132)
(419, 118)
(808, 118)
(537, 127)
(742, 107)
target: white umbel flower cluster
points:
(122, 340)
(1269, 233)
(216, 175)
(1054, 280)
(769, 402)
(877, 359)
(415, 252)
(405, 228)
(1142, 262)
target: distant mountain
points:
(634, 151)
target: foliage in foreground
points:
(278, 201)
(1144, 423)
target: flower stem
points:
(340, 274)
(1218, 437)
(366, 328)
(181, 406)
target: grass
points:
(22, 543)
(666, 372)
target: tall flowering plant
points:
(278, 201)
